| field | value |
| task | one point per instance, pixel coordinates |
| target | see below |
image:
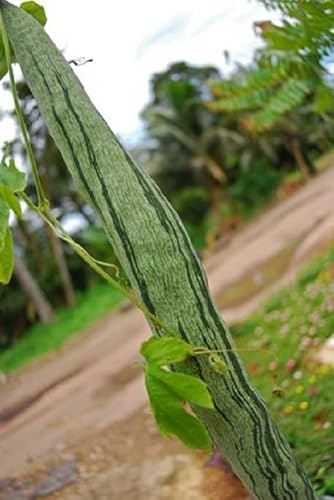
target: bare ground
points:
(84, 408)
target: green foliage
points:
(35, 10)
(8, 198)
(4, 216)
(282, 339)
(6, 258)
(11, 177)
(185, 137)
(308, 26)
(191, 204)
(169, 391)
(262, 78)
(186, 387)
(169, 413)
(254, 187)
(197, 233)
(236, 103)
(12, 181)
(288, 69)
(291, 93)
(323, 98)
(310, 273)
(165, 350)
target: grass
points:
(40, 339)
(299, 392)
(325, 161)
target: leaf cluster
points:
(12, 181)
(289, 68)
(169, 391)
(308, 26)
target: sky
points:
(129, 41)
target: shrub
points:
(254, 187)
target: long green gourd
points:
(155, 251)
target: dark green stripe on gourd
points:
(155, 251)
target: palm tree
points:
(185, 137)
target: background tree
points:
(201, 158)
(193, 153)
(288, 71)
(30, 286)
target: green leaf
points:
(165, 351)
(170, 415)
(188, 388)
(168, 391)
(281, 38)
(8, 196)
(253, 100)
(4, 215)
(289, 95)
(11, 177)
(36, 11)
(6, 258)
(3, 63)
(323, 98)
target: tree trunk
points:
(155, 252)
(303, 167)
(34, 292)
(31, 243)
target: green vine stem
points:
(42, 199)
(95, 264)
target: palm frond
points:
(290, 95)
(252, 100)
(268, 74)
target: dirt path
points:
(85, 392)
